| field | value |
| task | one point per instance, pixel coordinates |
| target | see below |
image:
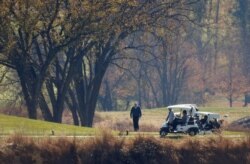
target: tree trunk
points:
(45, 109)
(157, 103)
(27, 80)
(216, 34)
(107, 99)
(73, 106)
(87, 91)
(139, 94)
(164, 81)
(244, 24)
(59, 109)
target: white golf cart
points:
(197, 122)
(208, 122)
(189, 127)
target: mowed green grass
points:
(157, 116)
(19, 125)
(152, 119)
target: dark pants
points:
(136, 123)
(176, 122)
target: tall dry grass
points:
(110, 149)
(126, 125)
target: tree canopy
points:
(60, 51)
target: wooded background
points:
(84, 55)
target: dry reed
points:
(110, 149)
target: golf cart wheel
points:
(163, 133)
(192, 132)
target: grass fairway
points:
(155, 117)
(12, 125)
(152, 120)
(150, 123)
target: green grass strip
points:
(12, 125)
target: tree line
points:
(84, 55)
(59, 51)
(204, 59)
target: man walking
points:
(135, 113)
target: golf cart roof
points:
(205, 113)
(209, 114)
(183, 106)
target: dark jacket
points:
(135, 112)
(184, 119)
